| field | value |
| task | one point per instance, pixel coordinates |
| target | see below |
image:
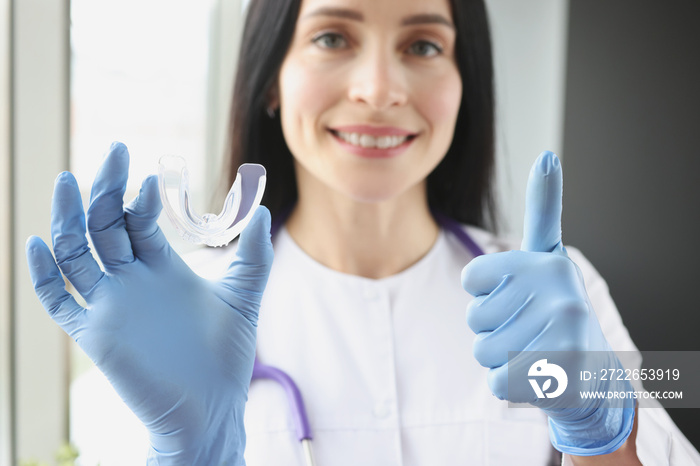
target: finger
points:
(473, 305)
(497, 379)
(105, 216)
(510, 381)
(483, 274)
(70, 244)
(247, 276)
(516, 334)
(543, 204)
(488, 312)
(50, 287)
(147, 240)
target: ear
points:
(273, 97)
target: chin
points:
(373, 193)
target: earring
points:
(270, 112)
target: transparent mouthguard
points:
(210, 229)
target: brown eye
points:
(424, 48)
(330, 40)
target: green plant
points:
(64, 456)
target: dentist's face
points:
(369, 94)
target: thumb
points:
(247, 275)
(543, 204)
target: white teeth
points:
(368, 141)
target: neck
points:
(369, 239)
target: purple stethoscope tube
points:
(296, 402)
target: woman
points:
(368, 117)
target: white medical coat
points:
(387, 372)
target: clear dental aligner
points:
(213, 230)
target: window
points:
(140, 73)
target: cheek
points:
(305, 93)
(439, 104)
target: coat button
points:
(370, 293)
(381, 410)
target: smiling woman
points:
(375, 122)
(341, 47)
(370, 86)
(360, 76)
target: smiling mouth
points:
(369, 141)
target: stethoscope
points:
(296, 402)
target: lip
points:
(373, 153)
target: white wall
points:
(529, 41)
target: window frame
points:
(6, 343)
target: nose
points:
(379, 81)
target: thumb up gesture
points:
(534, 300)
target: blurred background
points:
(610, 85)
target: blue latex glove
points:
(535, 300)
(177, 348)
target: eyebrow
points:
(427, 19)
(357, 16)
(336, 12)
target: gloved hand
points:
(177, 348)
(535, 300)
